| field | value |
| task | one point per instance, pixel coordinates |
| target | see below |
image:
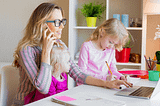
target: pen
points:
(153, 62)
(147, 62)
(109, 68)
(94, 99)
(150, 63)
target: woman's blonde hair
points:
(114, 28)
(33, 30)
(58, 54)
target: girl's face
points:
(107, 41)
(65, 65)
(56, 15)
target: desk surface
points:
(103, 93)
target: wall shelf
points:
(118, 63)
(129, 64)
(85, 27)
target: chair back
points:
(9, 84)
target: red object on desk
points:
(143, 76)
(140, 73)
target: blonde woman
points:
(32, 55)
(94, 54)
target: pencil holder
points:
(158, 68)
(153, 75)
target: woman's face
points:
(57, 14)
(107, 41)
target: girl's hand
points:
(111, 77)
(123, 78)
(116, 84)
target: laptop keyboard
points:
(143, 92)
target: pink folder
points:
(134, 72)
(64, 98)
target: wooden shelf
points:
(85, 27)
(134, 28)
(128, 64)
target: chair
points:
(9, 84)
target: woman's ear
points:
(45, 26)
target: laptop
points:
(140, 91)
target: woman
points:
(32, 55)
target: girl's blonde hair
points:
(58, 54)
(34, 28)
(114, 28)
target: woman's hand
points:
(116, 84)
(48, 41)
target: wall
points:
(152, 45)
(151, 8)
(14, 15)
(131, 7)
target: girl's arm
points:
(40, 78)
(109, 84)
(76, 73)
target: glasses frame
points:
(60, 21)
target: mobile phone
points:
(49, 30)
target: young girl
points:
(60, 65)
(110, 35)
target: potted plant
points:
(92, 11)
(123, 56)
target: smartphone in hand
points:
(49, 30)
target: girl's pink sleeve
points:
(113, 66)
(83, 58)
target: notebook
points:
(140, 91)
(82, 99)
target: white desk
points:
(103, 93)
